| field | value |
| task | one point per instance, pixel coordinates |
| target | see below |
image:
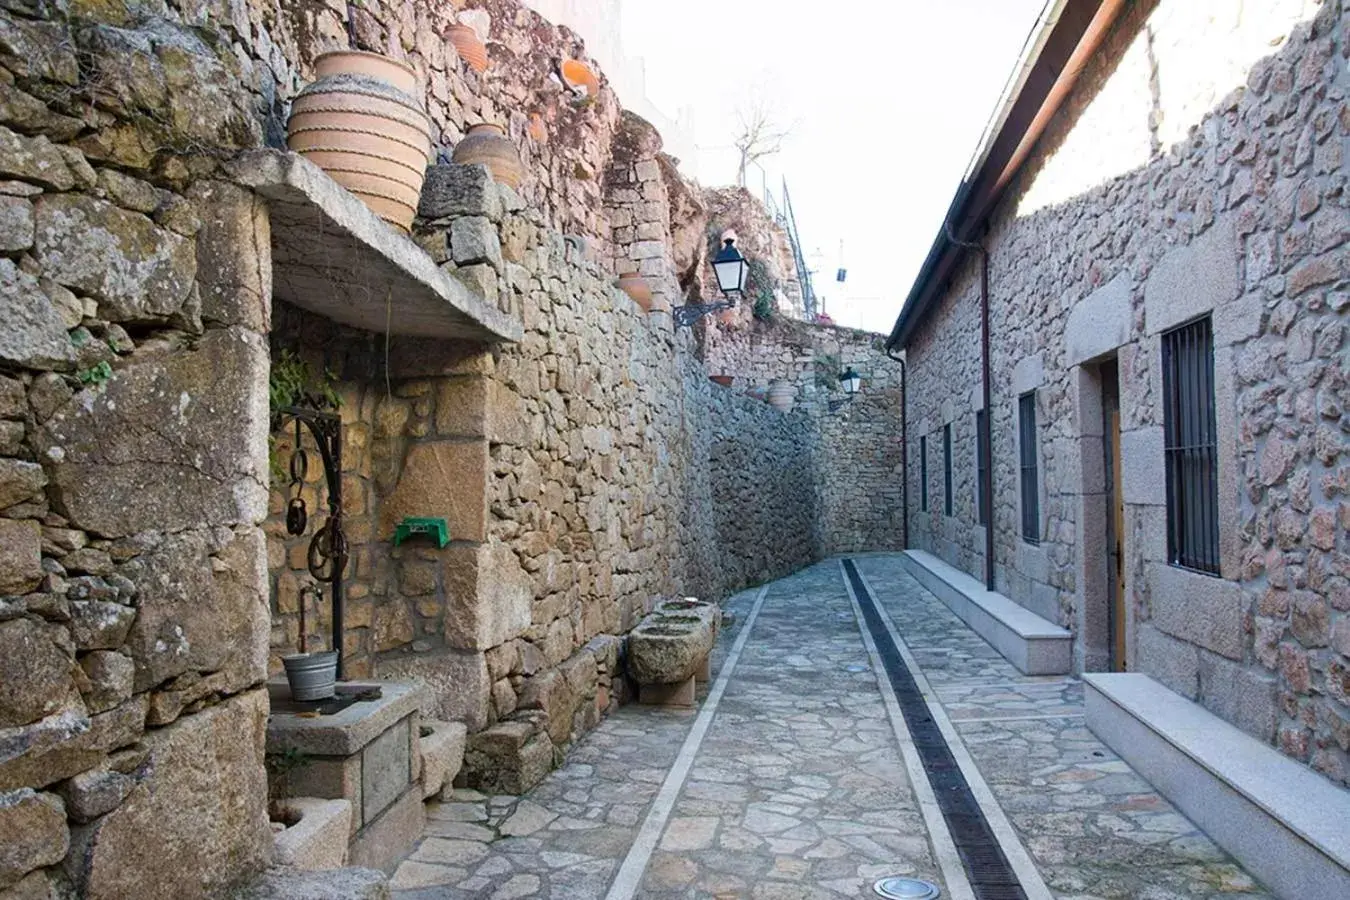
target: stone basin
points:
(672, 643)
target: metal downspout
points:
(986, 439)
(904, 450)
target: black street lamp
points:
(732, 270)
(851, 381)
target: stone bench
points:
(1036, 646)
(669, 651)
(1283, 822)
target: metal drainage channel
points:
(991, 878)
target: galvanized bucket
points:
(312, 676)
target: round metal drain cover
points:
(896, 888)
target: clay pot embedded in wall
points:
(580, 77)
(537, 130)
(781, 394)
(362, 123)
(488, 145)
(723, 380)
(636, 287)
(469, 46)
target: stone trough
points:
(669, 651)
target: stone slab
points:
(442, 754)
(1192, 280)
(286, 883)
(680, 696)
(1032, 644)
(385, 841)
(319, 839)
(1278, 818)
(332, 256)
(386, 770)
(347, 732)
(1099, 323)
(1204, 610)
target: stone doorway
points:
(1102, 629)
(1109, 378)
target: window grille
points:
(947, 469)
(923, 473)
(981, 465)
(1031, 505)
(1191, 447)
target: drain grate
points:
(991, 878)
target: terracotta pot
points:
(537, 129)
(487, 144)
(636, 286)
(580, 77)
(723, 380)
(360, 62)
(780, 395)
(366, 132)
(469, 46)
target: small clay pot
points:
(469, 46)
(636, 287)
(488, 144)
(781, 394)
(580, 77)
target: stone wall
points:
(1194, 170)
(857, 444)
(133, 369)
(584, 473)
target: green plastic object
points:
(411, 525)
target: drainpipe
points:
(986, 439)
(904, 452)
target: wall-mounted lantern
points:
(851, 382)
(732, 270)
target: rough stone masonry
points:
(593, 468)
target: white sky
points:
(887, 101)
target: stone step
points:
(283, 883)
(1036, 646)
(1280, 820)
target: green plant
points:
(827, 371)
(95, 376)
(760, 288)
(293, 383)
(280, 767)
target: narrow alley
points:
(795, 777)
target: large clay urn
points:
(362, 122)
(488, 145)
(469, 46)
(636, 287)
(781, 394)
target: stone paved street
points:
(798, 788)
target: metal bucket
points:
(312, 676)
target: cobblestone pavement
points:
(798, 789)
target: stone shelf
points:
(332, 256)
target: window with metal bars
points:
(947, 469)
(981, 465)
(923, 473)
(1191, 447)
(1031, 501)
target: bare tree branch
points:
(759, 133)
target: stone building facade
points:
(585, 462)
(1197, 171)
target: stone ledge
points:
(1032, 644)
(332, 256)
(349, 730)
(1279, 819)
